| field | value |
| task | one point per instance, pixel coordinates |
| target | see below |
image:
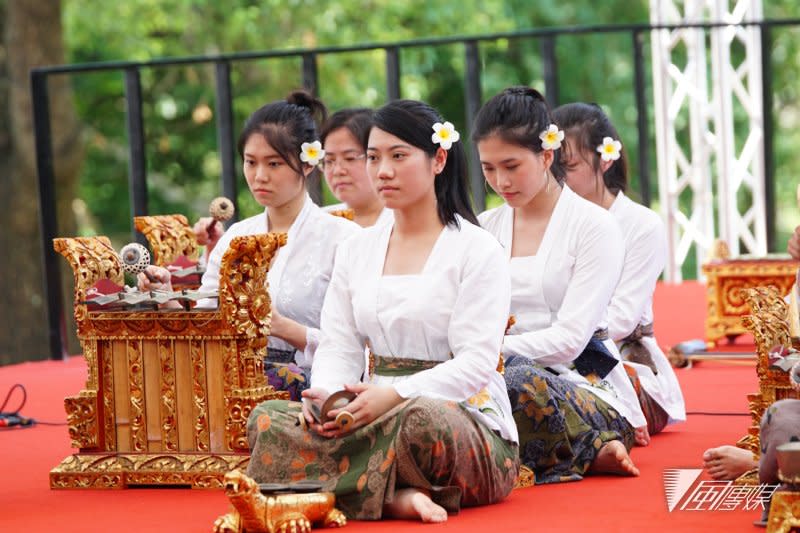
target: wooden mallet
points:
(221, 210)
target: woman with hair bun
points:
(575, 409)
(596, 169)
(280, 149)
(430, 428)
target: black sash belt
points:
(595, 359)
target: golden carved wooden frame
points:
(134, 424)
(169, 237)
(724, 283)
(769, 323)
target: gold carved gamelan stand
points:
(725, 279)
(769, 323)
(168, 392)
(169, 236)
(174, 244)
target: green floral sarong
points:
(422, 443)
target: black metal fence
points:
(548, 38)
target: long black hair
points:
(412, 121)
(356, 120)
(517, 115)
(286, 125)
(587, 124)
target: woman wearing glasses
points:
(344, 138)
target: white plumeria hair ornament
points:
(445, 135)
(610, 149)
(551, 137)
(311, 153)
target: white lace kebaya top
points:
(454, 311)
(300, 272)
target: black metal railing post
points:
(48, 216)
(310, 73)
(392, 73)
(639, 87)
(137, 163)
(550, 70)
(472, 100)
(223, 103)
(311, 84)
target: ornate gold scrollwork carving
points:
(109, 471)
(784, 512)
(200, 397)
(169, 406)
(243, 295)
(726, 280)
(82, 419)
(91, 259)
(169, 236)
(238, 407)
(768, 322)
(136, 391)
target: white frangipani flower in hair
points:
(445, 135)
(610, 149)
(551, 137)
(311, 153)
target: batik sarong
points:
(422, 443)
(561, 426)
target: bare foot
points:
(641, 436)
(415, 504)
(613, 458)
(727, 462)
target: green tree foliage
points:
(183, 165)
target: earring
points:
(547, 182)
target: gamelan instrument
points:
(168, 391)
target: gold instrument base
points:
(784, 512)
(120, 470)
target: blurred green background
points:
(183, 164)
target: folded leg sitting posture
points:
(570, 394)
(597, 171)
(431, 429)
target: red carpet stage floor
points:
(596, 504)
